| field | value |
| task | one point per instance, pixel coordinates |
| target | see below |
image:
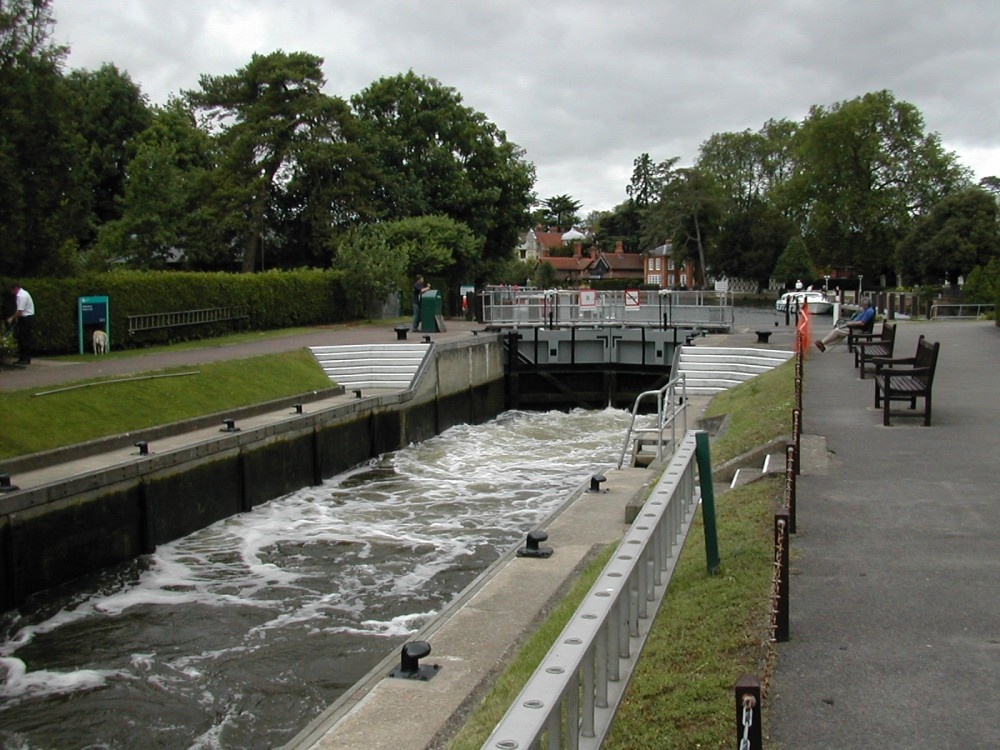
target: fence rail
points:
(571, 698)
(961, 310)
(511, 306)
(179, 318)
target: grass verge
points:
(710, 629)
(36, 423)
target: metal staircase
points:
(390, 366)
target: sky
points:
(586, 86)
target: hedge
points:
(276, 299)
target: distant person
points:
(24, 318)
(419, 287)
(861, 320)
(798, 285)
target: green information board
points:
(92, 314)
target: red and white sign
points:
(588, 298)
(631, 298)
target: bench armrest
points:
(908, 371)
(863, 335)
(883, 361)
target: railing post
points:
(790, 484)
(707, 501)
(781, 542)
(748, 722)
(797, 439)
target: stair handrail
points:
(671, 402)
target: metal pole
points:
(707, 501)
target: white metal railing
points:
(571, 698)
(961, 310)
(515, 306)
(671, 403)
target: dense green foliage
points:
(858, 181)
(277, 299)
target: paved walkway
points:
(895, 588)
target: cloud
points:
(585, 86)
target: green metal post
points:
(704, 457)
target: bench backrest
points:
(888, 331)
(927, 356)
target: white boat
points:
(817, 301)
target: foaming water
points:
(237, 635)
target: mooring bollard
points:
(532, 548)
(409, 667)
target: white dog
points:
(100, 342)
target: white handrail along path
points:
(571, 698)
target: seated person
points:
(861, 319)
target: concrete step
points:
(371, 366)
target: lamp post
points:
(860, 280)
(826, 283)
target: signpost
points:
(91, 315)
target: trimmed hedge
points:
(277, 299)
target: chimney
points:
(619, 248)
(593, 253)
(577, 249)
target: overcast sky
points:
(585, 86)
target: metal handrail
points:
(671, 402)
(961, 310)
(516, 306)
(572, 696)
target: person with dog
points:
(419, 287)
(861, 319)
(24, 317)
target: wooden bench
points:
(184, 318)
(882, 346)
(896, 382)
(865, 333)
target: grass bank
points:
(710, 629)
(113, 405)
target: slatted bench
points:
(882, 346)
(894, 381)
(865, 333)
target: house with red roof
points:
(663, 267)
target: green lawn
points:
(109, 406)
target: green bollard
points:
(704, 456)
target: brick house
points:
(663, 268)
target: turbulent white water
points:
(236, 636)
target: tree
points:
(748, 166)
(272, 123)
(794, 263)
(749, 243)
(42, 175)
(622, 224)
(865, 170)
(109, 110)
(438, 157)
(649, 179)
(957, 235)
(561, 211)
(436, 245)
(166, 212)
(373, 267)
(689, 211)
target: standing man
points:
(419, 287)
(24, 314)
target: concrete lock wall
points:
(55, 533)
